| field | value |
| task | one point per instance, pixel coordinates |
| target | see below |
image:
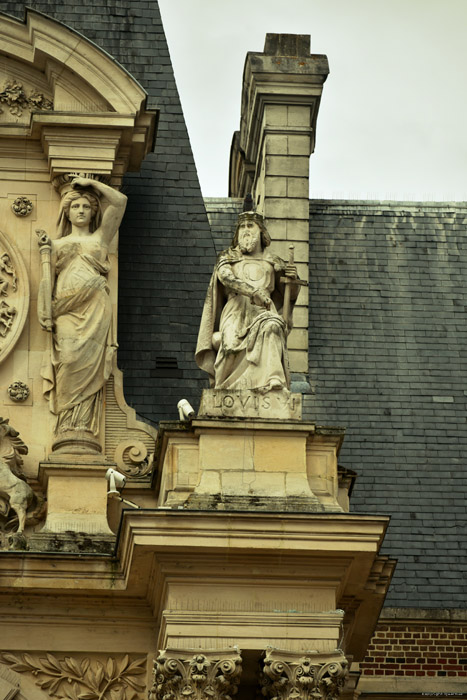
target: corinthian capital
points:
(207, 675)
(314, 676)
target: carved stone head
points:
(258, 219)
(64, 224)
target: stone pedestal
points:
(224, 403)
(247, 464)
(76, 496)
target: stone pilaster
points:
(213, 674)
(270, 154)
(310, 676)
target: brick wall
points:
(423, 650)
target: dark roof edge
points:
(427, 615)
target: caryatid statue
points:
(74, 304)
(247, 314)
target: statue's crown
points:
(251, 216)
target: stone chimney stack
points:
(270, 154)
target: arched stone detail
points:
(14, 295)
(65, 82)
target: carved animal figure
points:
(15, 493)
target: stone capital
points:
(196, 675)
(308, 676)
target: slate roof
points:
(388, 360)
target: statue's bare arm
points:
(116, 205)
(258, 296)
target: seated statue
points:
(245, 323)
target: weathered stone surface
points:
(224, 403)
(247, 314)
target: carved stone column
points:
(213, 674)
(311, 676)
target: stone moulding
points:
(196, 676)
(98, 122)
(14, 294)
(14, 97)
(134, 454)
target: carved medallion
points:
(22, 206)
(14, 295)
(18, 391)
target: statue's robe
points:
(241, 345)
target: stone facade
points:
(239, 557)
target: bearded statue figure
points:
(243, 331)
(74, 304)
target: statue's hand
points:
(82, 182)
(43, 238)
(291, 271)
(261, 298)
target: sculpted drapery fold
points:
(245, 323)
(79, 314)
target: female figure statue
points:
(74, 304)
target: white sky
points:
(393, 116)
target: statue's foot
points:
(275, 384)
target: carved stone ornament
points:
(82, 679)
(22, 206)
(210, 675)
(18, 391)
(18, 502)
(132, 458)
(247, 314)
(14, 97)
(14, 295)
(315, 676)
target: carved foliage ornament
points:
(303, 679)
(85, 679)
(207, 676)
(14, 97)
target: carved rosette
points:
(14, 295)
(210, 675)
(18, 391)
(316, 676)
(22, 206)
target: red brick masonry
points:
(417, 650)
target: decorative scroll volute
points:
(315, 676)
(210, 675)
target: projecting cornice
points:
(58, 88)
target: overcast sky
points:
(392, 121)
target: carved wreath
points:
(85, 679)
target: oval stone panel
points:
(14, 295)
